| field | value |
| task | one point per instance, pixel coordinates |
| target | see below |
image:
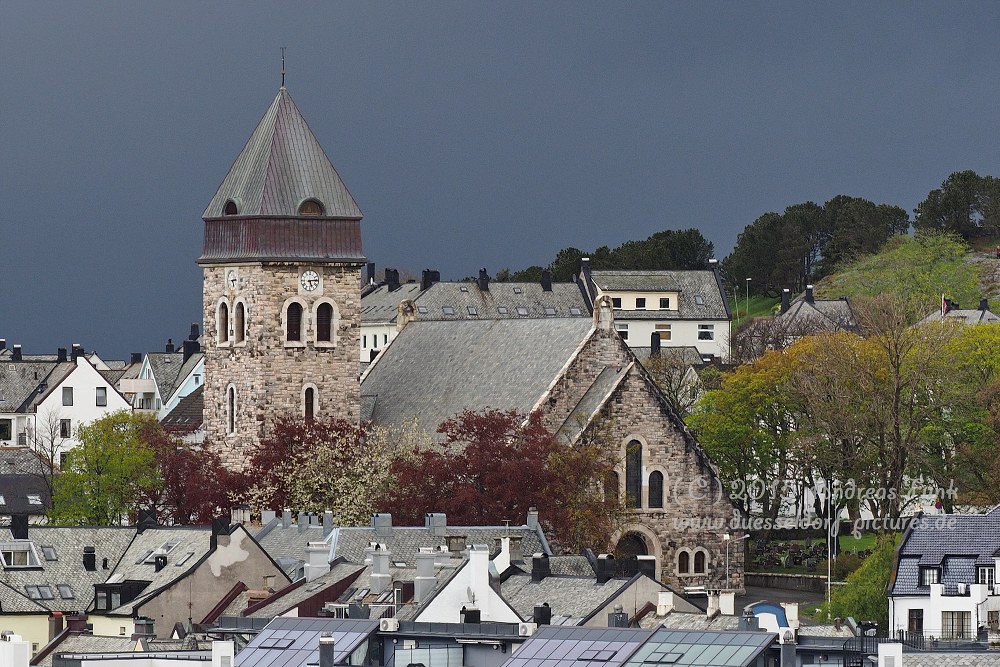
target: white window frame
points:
(706, 332)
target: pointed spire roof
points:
(281, 166)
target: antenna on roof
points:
(283, 66)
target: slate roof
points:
(561, 646)
(973, 540)
(79, 643)
(438, 369)
(572, 599)
(14, 601)
(294, 642)
(297, 594)
(68, 543)
(680, 620)
(686, 355)
(187, 416)
(963, 315)
(20, 382)
(500, 301)
(15, 490)
(166, 368)
(382, 306)
(940, 659)
(818, 315)
(689, 284)
(590, 404)
(21, 461)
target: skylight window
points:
(473, 311)
(184, 558)
(142, 558)
(422, 310)
(49, 553)
(574, 311)
(699, 300)
(65, 592)
(34, 499)
(550, 311)
(502, 310)
(464, 288)
(3, 501)
(447, 310)
(522, 311)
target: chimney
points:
(392, 279)
(785, 302)
(532, 520)
(542, 614)
(286, 519)
(809, 294)
(713, 604)
(540, 567)
(382, 523)
(436, 523)
(546, 280)
(326, 650)
(748, 622)
(428, 278)
(654, 344)
(317, 560)
(370, 273)
(618, 618)
(19, 526)
(77, 623)
(302, 521)
(788, 649)
(585, 267)
(90, 559)
(169, 346)
(664, 602)
(484, 281)
(984, 304)
(424, 582)
(471, 615)
(220, 528)
(727, 603)
(647, 566)
(380, 578)
(77, 351)
(136, 357)
(195, 332)
(145, 519)
(605, 568)
(327, 522)
(61, 354)
(239, 514)
(190, 347)
(55, 624)
(3, 343)
(15, 353)
(456, 545)
(514, 547)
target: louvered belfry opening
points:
(294, 322)
(324, 323)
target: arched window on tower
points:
(231, 411)
(633, 474)
(230, 208)
(310, 403)
(311, 207)
(324, 323)
(699, 562)
(240, 323)
(683, 562)
(656, 489)
(293, 322)
(223, 323)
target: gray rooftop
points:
(294, 642)
(969, 541)
(572, 599)
(690, 284)
(281, 165)
(963, 315)
(436, 370)
(298, 594)
(170, 369)
(587, 408)
(77, 643)
(805, 316)
(66, 568)
(381, 305)
(465, 301)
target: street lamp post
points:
(746, 314)
(728, 539)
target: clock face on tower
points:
(309, 280)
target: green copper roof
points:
(281, 166)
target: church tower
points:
(282, 288)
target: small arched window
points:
(311, 207)
(240, 322)
(699, 562)
(310, 403)
(611, 486)
(293, 322)
(656, 489)
(633, 474)
(230, 208)
(231, 410)
(223, 336)
(683, 562)
(324, 323)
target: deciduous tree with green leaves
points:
(108, 473)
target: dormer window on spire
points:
(311, 207)
(230, 208)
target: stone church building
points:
(282, 290)
(282, 272)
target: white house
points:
(945, 581)
(686, 308)
(165, 378)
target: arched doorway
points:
(631, 545)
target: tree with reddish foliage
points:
(494, 466)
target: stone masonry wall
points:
(269, 375)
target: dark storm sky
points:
(471, 134)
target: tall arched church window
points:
(293, 322)
(699, 562)
(240, 322)
(683, 562)
(223, 323)
(633, 474)
(656, 489)
(324, 323)
(231, 410)
(612, 486)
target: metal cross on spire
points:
(283, 66)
